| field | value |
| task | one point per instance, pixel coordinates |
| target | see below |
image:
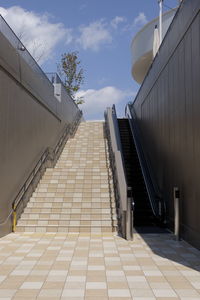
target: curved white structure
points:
(142, 45)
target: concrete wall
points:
(168, 113)
(31, 119)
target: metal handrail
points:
(44, 157)
(116, 154)
(26, 185)
(122, 191)
(68, 130)
(156, 200)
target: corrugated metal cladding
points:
(31, 119)
(168, 112)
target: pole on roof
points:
(160, 2)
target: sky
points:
(100, 30)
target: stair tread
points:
(82, 162)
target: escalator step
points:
(142, 213)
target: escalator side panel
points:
(143, 215)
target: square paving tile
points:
(57, 266)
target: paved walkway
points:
(97, 266)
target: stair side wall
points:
(30, 122)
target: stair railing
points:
(156, 200)
(19, 198)
(48, 155)
(123, 193)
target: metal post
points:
(129, 215)
(177, 213)
(160, 20)
(124, 222)
(14, 219)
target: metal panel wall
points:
(31, 119)
(168, 112)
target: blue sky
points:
(101, 31)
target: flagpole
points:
(160, 20)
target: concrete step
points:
(65, 222)
(75, 195)
(68, 228)
(75, 203)
(69, 198)
(66, 205)
(64, 216)
(65, 195)
(70, 210)
(41, 202)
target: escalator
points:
(143, 213)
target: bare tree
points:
(36, 48)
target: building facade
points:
(167, 110)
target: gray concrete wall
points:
(168, 113)
(31, 119)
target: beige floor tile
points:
(73, 293)
(96, 285)
(187, 293)
(124, 298)
(96, 292)
(7, 293)
(142, 293)
(96, 298)
(26, 293)
(119, 293)
(32, 285)
(74, 285)
(50, 293)
(160, 279)
(53, 285)
(20, 297)
(117, 285)
(164, 293)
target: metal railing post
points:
(129, 215)
(177, 213)
(14, 220)
(123, 224)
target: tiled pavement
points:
(97, 266)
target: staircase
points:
(77, 195)
(143, 215)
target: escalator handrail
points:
(111, 119)
(156, 200)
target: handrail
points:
(26, 185)
(122, 191)
(30, 178)
(47, 154)
(9, 215)
(157, 202)
(116, 148)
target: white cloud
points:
(96, 101)
(116, 21)
(94, 35)
(141, 19)
(37, 33)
